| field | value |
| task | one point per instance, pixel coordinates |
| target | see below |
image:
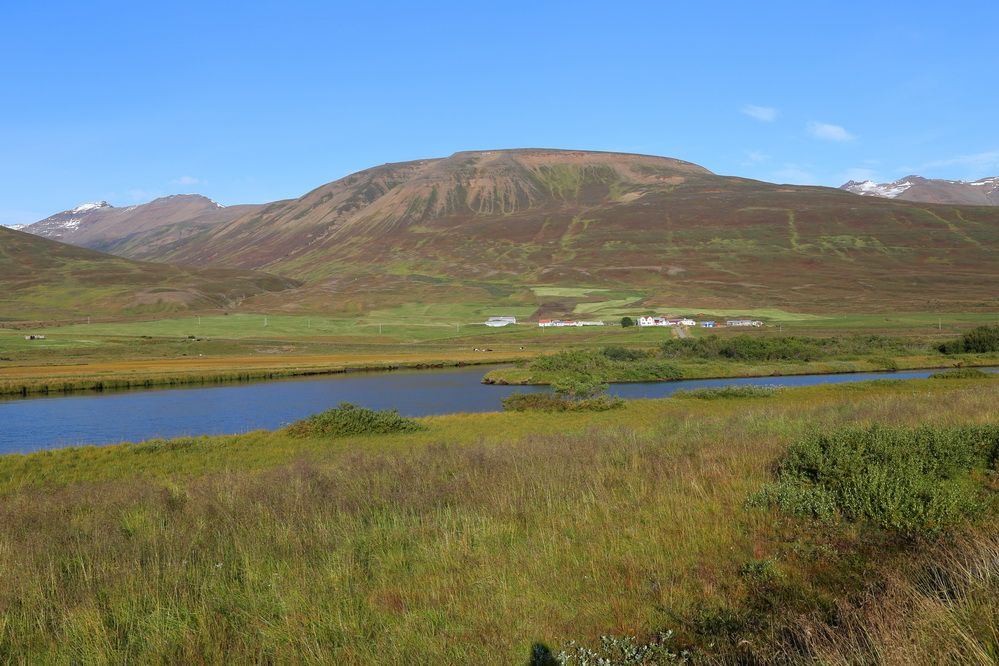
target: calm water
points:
(29, 424)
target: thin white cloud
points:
(766, 114)
(755, 157)
(984, 160)
(829, 132)
(185, 180)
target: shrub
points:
(347, 419)
(577, 387)
(745, 347)
(627, 322)
(576, 361)
(624, 354)
(981, 340)
(961, 373)
(914, 481)
(548, 402)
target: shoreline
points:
(794, 372)
(41, 386)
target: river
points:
(35, 423)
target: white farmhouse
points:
(496, 322)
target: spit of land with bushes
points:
(749, 355)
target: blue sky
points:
(251, 102)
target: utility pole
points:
(379, 329)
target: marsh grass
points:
(466, 542)
(961, 373)
(729, 392)
(547, 402)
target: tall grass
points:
(466, 542)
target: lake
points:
(34, 423)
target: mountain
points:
(984, 192)
(495, 226)
(43, 279)
(135, 231)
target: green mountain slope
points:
(40, 279)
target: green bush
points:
(347, 419)
(726, 392)
(745, 347)
(624, 354)
(913, 481)
(961, 373)
(627, 322)
(575, 361)
(981, 340)
(577, 387)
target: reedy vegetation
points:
(465, 542)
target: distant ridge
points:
(142, 228)
(983, 192)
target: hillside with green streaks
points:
(41, 279)
(487, 226)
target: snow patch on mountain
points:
(84, 207)
(872, 189)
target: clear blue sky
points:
(252, 101)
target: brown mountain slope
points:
(136, 231)
(502, 221)
(41, 278)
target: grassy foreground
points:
(478, 535)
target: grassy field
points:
(469, 541)
(231, 347)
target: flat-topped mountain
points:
(135, 230)
(497, 222)
(983, 192)
(488, 226)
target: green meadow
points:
(479, 538)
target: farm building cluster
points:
(644, 320)
(559, 323)
(655, 320)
